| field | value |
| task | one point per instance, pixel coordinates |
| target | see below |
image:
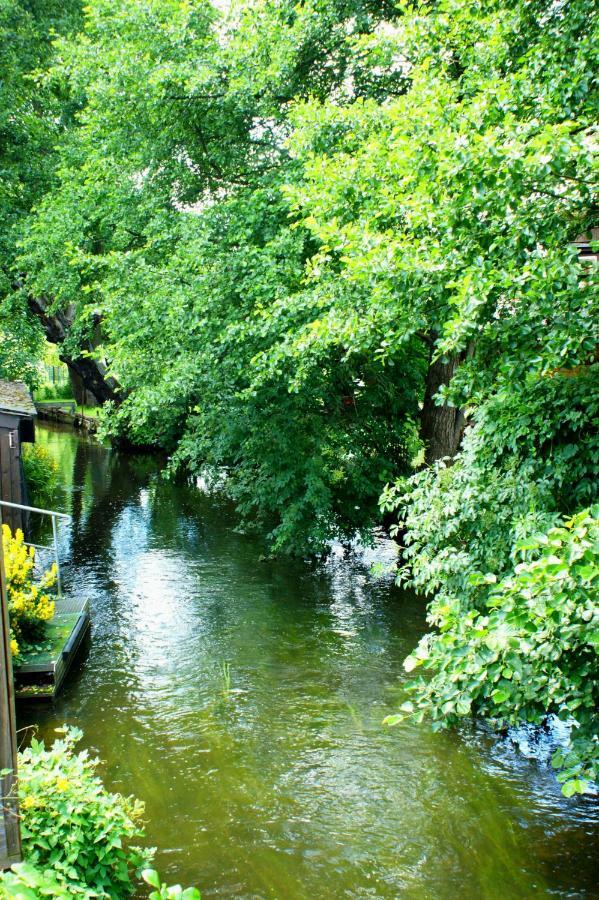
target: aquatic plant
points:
(168, 892)
(225, 676)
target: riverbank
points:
(77, 420)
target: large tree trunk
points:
(89, 372)
(83, 397)
(441, 427)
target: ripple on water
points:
(242, 699)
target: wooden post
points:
(10, 832)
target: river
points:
(241, 698)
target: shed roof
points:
(15, 398)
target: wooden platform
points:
(77, 420)
(39, 676)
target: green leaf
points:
(151, 877)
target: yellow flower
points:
(29, 605)
(62, 784)
(28, 802)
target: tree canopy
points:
(325, 252)
(31, 121)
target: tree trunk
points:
(89, 372)
(83, 397)
(441, 427)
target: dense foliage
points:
(26, 882)
(318, 243)
(446, 216)
(520, 647)
(30, 605)
(77, 837)
(41, 474)
(170, 221)
(31, 120)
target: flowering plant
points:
(78, 837)
(29, 605)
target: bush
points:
(510, 643)
(25, 882)
(49, 391)
(525, 650)
(76, 835)
(29, 605)
(41, 473)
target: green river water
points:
(242, 700)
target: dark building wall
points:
(12, 482)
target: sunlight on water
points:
(243, 700)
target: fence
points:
(53, 548)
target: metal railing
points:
(52, 549)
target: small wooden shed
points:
(17, 426)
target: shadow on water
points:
(243, 699)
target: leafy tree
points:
(31, 120)
(495, 179)
(311, 240)
(169, 230)
(445, 215)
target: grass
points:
(92, 411)
(58, 631)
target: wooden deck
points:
(41, 674)
(77, 420)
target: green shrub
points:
(25, 882)
(524, 649)
(41, 473)
(528, 462)
(48, 391)
(30, 606)
(77, 837)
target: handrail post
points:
(54, 516)
(55, 538)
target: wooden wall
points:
(10, 838)
(11, 473)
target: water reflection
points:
(242, 700)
